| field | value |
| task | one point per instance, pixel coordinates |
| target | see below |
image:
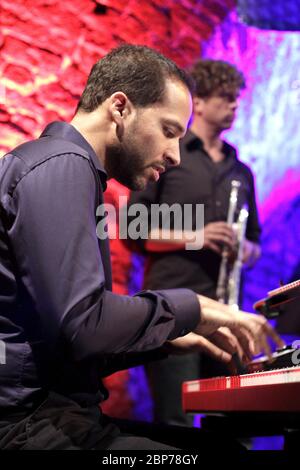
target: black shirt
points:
(198, 180)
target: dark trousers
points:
(60, 423)
(165, 379)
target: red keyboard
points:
(276, 390)
(277, 299)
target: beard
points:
(126, 161)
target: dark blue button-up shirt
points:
(61, 325)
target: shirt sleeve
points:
(54, 239)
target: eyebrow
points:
(176, 124)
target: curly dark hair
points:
(138, 71)
(216, 77)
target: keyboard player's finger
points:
(225, 339)
(246, 342)
(197, 343)
(262, 332)
(219, 353)
(270, 332)
(250, 332)
(265, 347)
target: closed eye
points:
(173, 129)
(169, 133)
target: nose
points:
(172, 157)
(234, 104)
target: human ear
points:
(198, 105)
(117, 115)
(120, 106)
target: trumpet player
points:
(208, 166)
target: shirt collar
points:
(68, 132)
(193, 142)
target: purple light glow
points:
(266, 134)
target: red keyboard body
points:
(276, 390)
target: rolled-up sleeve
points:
(53, 235)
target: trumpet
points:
(228, 286)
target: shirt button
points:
(218, 203)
